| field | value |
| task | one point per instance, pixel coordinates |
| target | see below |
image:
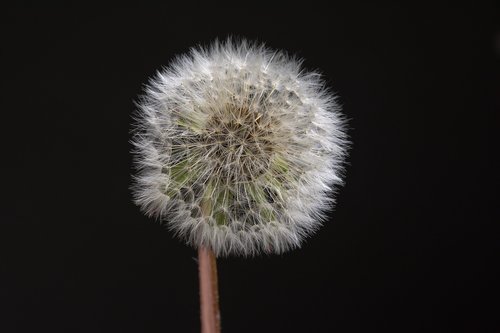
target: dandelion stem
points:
(209, 293)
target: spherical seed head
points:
(238, 149)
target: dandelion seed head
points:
(238, 149)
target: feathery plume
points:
(238, 149)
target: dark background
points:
(409, 248)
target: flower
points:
(238, 149)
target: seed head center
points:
(237, 140)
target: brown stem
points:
(209, 291)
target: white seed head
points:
(238, 149)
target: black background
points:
(409, 247)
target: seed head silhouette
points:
(238, 149)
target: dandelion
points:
(238, 149)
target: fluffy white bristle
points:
(238, 149)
